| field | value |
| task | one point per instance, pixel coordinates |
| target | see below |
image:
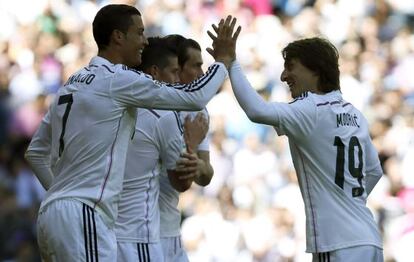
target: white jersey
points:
(169, 197)
(335, 161)
(157, 144)
(91, 123)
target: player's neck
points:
(112, 57)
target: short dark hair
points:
(180, 45)
(110, 18)
(318, 55)
(155, 53)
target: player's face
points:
(134, 42)
(191, 70)
(169, 74)
(299, 78)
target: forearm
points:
(255, 107)
(372, 177)
(204, 169)
(41, 169)
(187, 97)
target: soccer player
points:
(79, 151)
(156, 146)
(190, 68)
(335, 161)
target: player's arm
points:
(373, 168)
(205, 170)
(255, 107)
(195, 166)
(171, 142)
(141, 91)
(200, 125)
(296, 119)
(38, 153)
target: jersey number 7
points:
(65, 99)
(356, 172)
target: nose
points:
(200, 72)
(176, 78)
(283, 76)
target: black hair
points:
(110, 18)
(155, 53)
(180, 45)
(318, 55)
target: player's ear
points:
(117, 37)
(153, 71)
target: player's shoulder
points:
(129, 72)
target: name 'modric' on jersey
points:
(346, 119)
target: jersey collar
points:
(98, 60)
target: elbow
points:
(200, 105)
(254, 116)
(181, 185)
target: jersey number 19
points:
(356, 172)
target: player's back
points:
(90, 133)
(332, 161)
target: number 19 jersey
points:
(337, 167)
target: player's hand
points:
(224, 42)
(187, 166)
(195, 131)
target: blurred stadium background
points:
(252, 210)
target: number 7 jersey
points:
(83, 140)
(337, 167)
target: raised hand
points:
(224, 42)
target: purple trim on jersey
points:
(179, 123)
(346, 104)
(146, 201)
(297, 99)
(108, 69)
(322, 104)
(330, 103)
(110, 165)
(154, 113)
(310, 200)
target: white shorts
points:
(139, 252)
(357, 253)
(173, 249)
(68, 230)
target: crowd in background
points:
(252, 210)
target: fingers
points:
(236, 34)
(215, 28)
(186, 176)
(213, 37)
